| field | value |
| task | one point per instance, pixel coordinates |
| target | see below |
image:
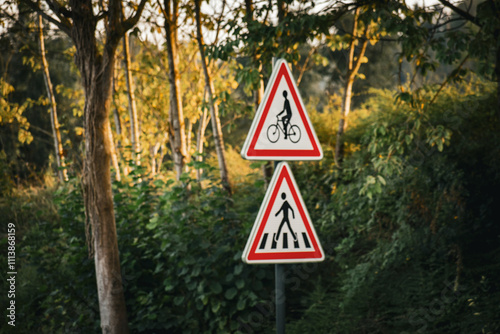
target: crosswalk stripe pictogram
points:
(273, 244)
(283, 231)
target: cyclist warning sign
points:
(281, 129)
(283, 232)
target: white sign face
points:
(283, 231)
(281, 129)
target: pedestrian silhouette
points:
(285, 207)
(288, 113)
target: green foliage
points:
(409, 226)
(180, 250)
(55, 286)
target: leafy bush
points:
(180, 250)
(409, 225)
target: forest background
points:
(126, 144)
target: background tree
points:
(214, 112)
(79, 21)
(353, 65)
(54, 121)
(176, 116)
(134, 119)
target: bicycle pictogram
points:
(283, 125)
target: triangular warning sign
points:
(283, 232)
(281, 129)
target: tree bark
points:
(56, 134)
(114, 157)
(200, 140)
(154, 153)
(214, 112)
(118, 127)
(176, 116)
(352, 70)
(132, 108)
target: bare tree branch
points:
(462, 13)
(61, 11)
(65, 25)
(132, 21)
(448, 78)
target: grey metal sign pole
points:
(279, 287)
(279, 270)
(279, 277)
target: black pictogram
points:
(285, 207)
(283, 124)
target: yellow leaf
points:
(79, 131)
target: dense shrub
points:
(411, 225)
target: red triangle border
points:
(252, 152)
(316, 253)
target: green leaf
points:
(240, 283)
(199, 305)
(168, 286)
(241, 304)
(153, 223)
(216, 287)
(178, 300)
(238, 269)
(192, 285)
(215, 306)
(381, 179)
(231, 293)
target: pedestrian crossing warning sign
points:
(283, 232)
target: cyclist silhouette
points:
(288, 111)
(285, 207)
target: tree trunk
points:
(176, 116)
(304, 67)
(281, 10)
(189, 129)
(352, 70)
(114, 158)
(118, 127)
(214, 112)
(96, 71)
(134, 120)
(200, 140)
(56, 134)
(267, 168)
(155, 159)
